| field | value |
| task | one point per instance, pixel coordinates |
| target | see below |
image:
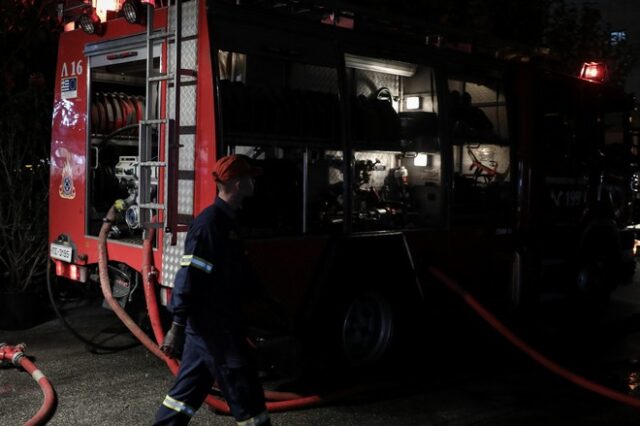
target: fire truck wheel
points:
(367, 329)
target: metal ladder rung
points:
(153, 121)
(152, 164)
(161, 35)
(155, 206)
(186, 72)
(161, 77)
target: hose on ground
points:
(15, 355)
(284, 401)
(541, 359)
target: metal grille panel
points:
(185, 197)
(171, 258)
(187, 152)
(188, 106)
(189, 18)
(189, 55)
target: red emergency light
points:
(594, 71)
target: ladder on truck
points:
(175, 122)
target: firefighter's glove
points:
(173, 341)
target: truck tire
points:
(368, 325)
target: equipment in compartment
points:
(115, 117)
(374, 118)
(112, 111)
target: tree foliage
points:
(28, 39)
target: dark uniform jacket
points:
(215, 279)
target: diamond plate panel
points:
(187, 152)
(188, 60)
(189, 55)
(171, 258)
(189, 18)
(188, 106)
(185, 197)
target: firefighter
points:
(208, 329)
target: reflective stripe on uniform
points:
(198, 262)
(178, 406)
(258, 420)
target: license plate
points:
(61, 252)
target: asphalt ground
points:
(466, 374)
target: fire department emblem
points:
(67, 189)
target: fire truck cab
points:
(382, 154)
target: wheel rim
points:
(367, 329)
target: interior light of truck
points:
(90, 22)
(594, 71)
(386, 66)
(420, 160)
(413, 102)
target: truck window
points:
(396, 150)
(481, 153)
(283, 114)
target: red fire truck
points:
(383, 152)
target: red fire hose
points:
(279, 401)
(527, 349)
(15, 355)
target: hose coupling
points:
(12, 354)
(17, 356)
